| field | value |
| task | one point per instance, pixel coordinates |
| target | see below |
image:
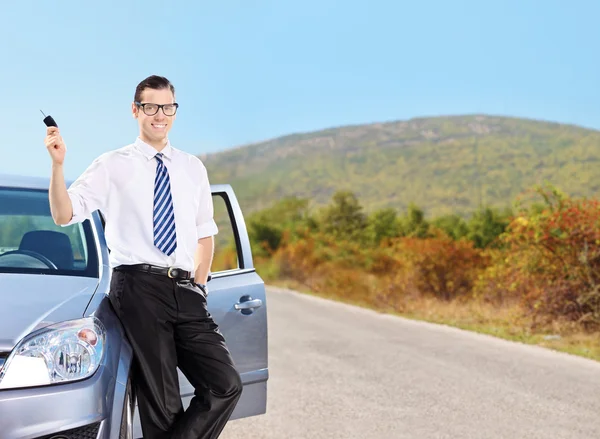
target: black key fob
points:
(50, 122)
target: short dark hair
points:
(155, 82)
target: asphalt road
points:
(338, 371)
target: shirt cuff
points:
(207, 229)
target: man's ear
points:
(134, 110)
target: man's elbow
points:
(206, 240)
(61, 210)
(62, 220)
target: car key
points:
(49, 121)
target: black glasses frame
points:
(158, 107)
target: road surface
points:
(338, 371)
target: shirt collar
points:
(149, 152)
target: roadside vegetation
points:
(530, 273)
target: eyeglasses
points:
(152, 109)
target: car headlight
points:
(59, 353)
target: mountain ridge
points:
(445, 164)
(393, 121)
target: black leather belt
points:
(170, 272)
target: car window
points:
(31, 242)
(226, 250)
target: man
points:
(157, 204)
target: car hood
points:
(32, 301)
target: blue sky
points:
(250, 70)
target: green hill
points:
(443, 164)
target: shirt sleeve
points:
(205, 223)
(89, 192)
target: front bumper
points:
(91, 407)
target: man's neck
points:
(158, 145)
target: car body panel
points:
(31, 301)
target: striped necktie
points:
(164, 217)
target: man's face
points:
(154, 128)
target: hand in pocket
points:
(192, 287)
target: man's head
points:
(155, 122)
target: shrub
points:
(438, 266)
(553, 260)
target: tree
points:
(486, 225)
(266, 227)
(344, 218)
(413, 224)
(453, 225)
(383, 224)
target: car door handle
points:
(247, 303)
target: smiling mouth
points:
(159, 125)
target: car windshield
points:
(30, 242)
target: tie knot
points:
(159, 156)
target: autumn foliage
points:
(551, 261)
(546, 256)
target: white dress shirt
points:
(120, 183)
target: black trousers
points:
(169, 326)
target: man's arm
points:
(86, 194)
(60, 202)
(203, 259)
(206, 228)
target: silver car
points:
(64, 358)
